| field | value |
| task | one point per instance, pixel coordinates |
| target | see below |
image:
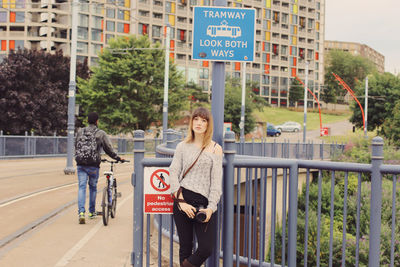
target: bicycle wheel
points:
(114, 201)
(105, 207)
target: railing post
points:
(26, 144)
(33, 144)
(321, 150)
(376, 202)
(292, 217)
(2, 143)
(170, 138)
(228, 187)
(137, 183)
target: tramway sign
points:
(157, 197)
(223, 34)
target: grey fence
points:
(12, 146)
(285, 212)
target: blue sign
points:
(223, 34)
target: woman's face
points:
(199, 125)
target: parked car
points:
(289, 126)
(272, 130)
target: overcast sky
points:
(371, 22)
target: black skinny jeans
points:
(205, 232)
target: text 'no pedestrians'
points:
(223, 34)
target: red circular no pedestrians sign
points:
(157, 180)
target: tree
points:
(196, 95)
(350, 68)
(127, 87)
(33, 92)
(296, 92)
(383, 93)
(233, 105)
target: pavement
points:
(59, 240)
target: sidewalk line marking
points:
(71, 253)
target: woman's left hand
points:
(208, 212)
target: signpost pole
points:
(166, 79)
(243, 104)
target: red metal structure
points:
(346, 87)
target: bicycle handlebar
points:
(115, 161)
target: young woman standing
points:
(196, 185)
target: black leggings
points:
(205, 232)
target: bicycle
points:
(110, 194)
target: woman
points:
(196, 183)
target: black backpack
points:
(86, 148)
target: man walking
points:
(88, 144)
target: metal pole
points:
(241, 125)
(218, 93)
(166, 79)
(375, 202)
(137, 183)
(72, 89)
(217, 110)
(366, 108)
(228, 195)
(305, 105)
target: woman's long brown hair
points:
(204, 114)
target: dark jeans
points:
(205, 232)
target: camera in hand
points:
(200, 216)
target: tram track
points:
(29, 226)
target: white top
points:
(204, 178)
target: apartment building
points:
(289, 33)
(358, 49)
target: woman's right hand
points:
(188, 209)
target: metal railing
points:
(14, 146)
(290, 212)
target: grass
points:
(277, 116)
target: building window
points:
(182, 35)
(82, 33)
(96, 35)
(157, 15)
(276, 16)
(204, 73)
(156, 31)
(83, 6)
(124, 28)
(110, 13)
(82, 47)
(96, 48)
(3, 16)
(110, 26)
(20, 4)
(96, 22)
(83, 20)
(19, 44)
(96, 8)
(301, 53)
(275, 49)
(143, 29)
(3, 45)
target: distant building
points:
(289, 33)
(360, 50)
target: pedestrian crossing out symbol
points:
(158, 180)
